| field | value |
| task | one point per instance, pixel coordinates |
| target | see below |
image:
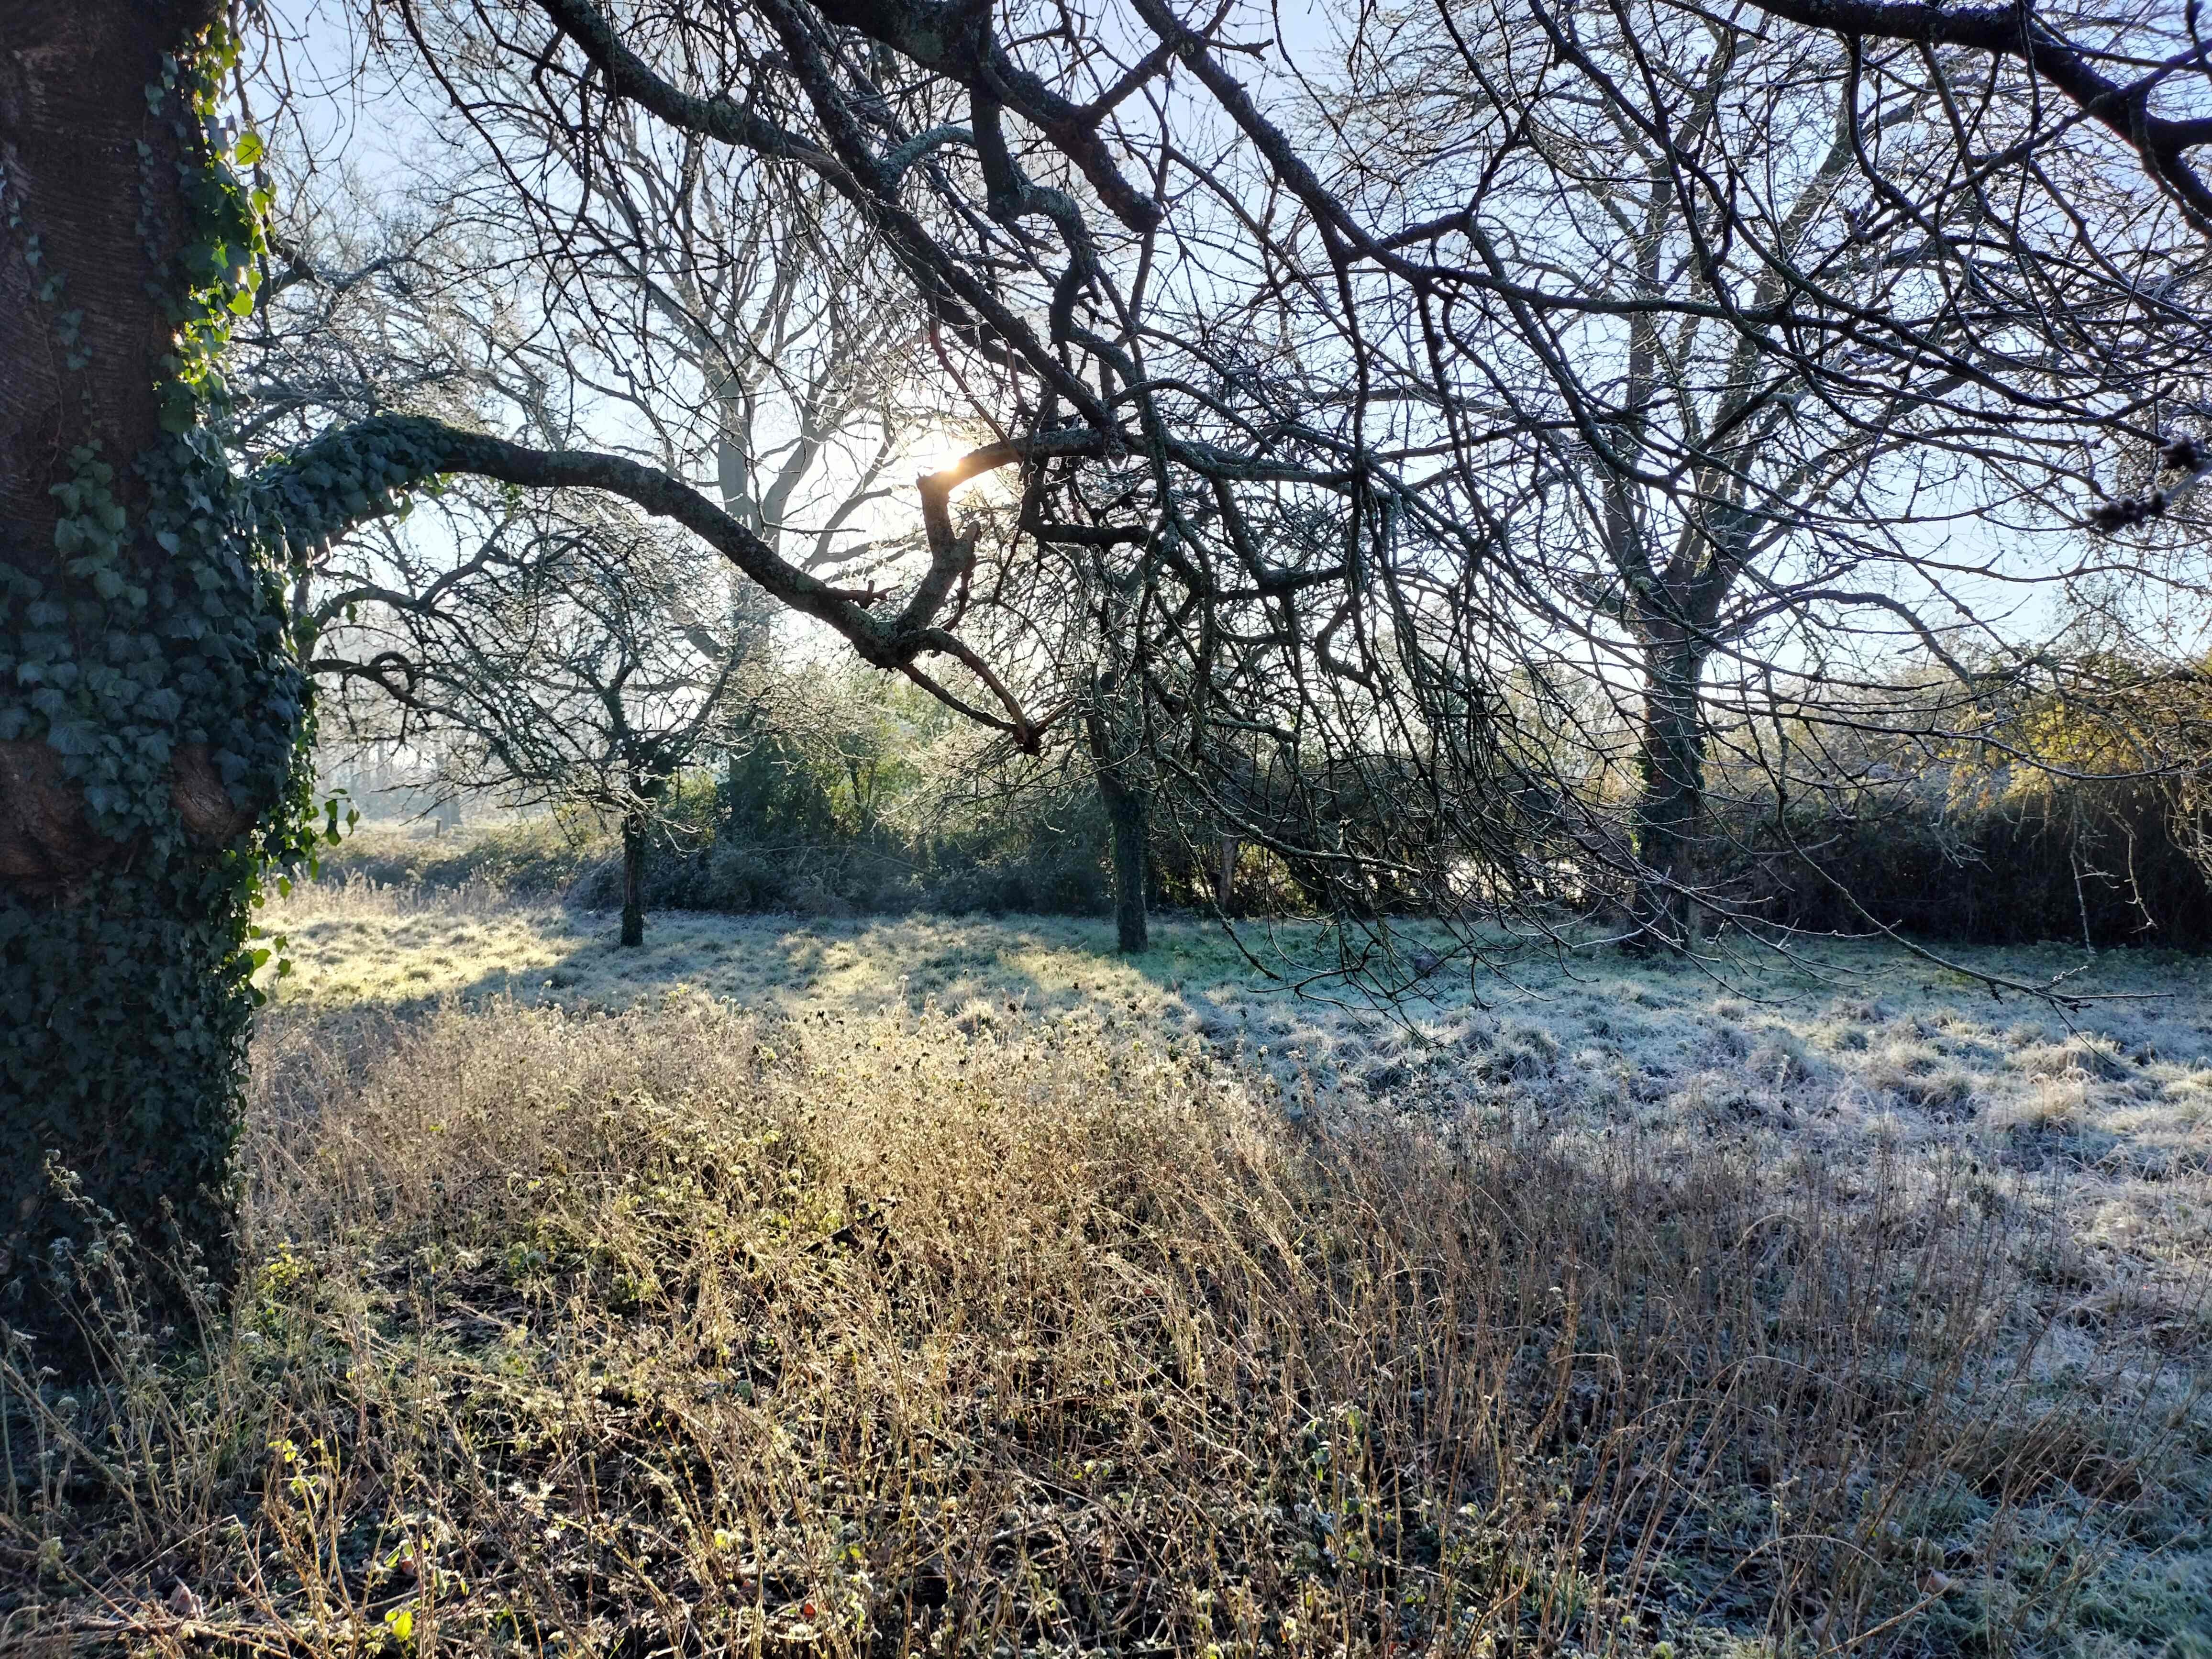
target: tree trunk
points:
(1670, 805)
(150, 702)
(632, 914)
(1122, 791)
(1126, 811)
(1224, 877)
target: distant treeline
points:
(2097, 860)
(1959, 841)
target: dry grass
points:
(1834, 1053)
(682, 1329)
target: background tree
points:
(1121, 765)
(739, 338)
(1708, 436)
(574, 660)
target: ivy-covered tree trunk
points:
(150, 710)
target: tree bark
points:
(1126, 811)
(150, 701)
(633, 910)
(1670, 805)
(73, 110)
(1128, 802)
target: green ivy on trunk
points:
(153, 716)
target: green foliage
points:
(2077, 812)
(2094, 859)
(865, 801)
(863, 820)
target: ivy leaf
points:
(178, 408)
(249, 149)
(73, 737)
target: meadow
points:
(919, 1285)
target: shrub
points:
(2104, 863)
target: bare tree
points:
(574, 659)
(785, 392)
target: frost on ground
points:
(1848, 1052)
(1881, 1279)
(1835, 1072)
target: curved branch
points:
(364, 470)
(2009, 31)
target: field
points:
(2104, 1110)
(951, 1286)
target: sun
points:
(935, 447)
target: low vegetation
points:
(912, 1286)
(880, 810)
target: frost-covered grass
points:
(1838, 1049)
(955, 1287)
